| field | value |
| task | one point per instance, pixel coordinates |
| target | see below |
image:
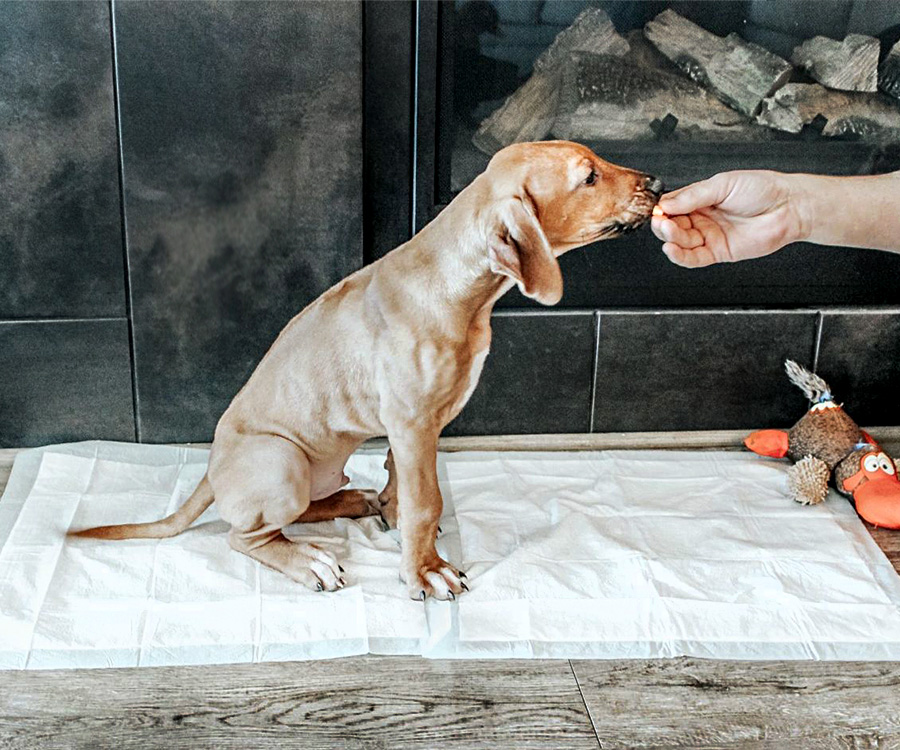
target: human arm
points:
(748, 214)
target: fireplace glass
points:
(681, 90)
(684, 76)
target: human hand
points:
(731, 216)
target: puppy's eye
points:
(591, 178)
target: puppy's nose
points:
(653, 184)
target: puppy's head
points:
(554, 196)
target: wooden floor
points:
(408, 702)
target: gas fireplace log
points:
(851, 65)
(645, 55)
(610, 98)
(591, 31)
(889, 73)
(526, 115)
(848, 113)
(740, 73)
(528, 112)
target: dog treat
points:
(657, 211)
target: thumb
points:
(702, 194)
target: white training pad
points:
(591, 554)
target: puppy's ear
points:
(518, 248)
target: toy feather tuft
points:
(812, 385)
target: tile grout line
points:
(129, 302)
(513, 312)
(415, 123)
(820, 324)
(102, 319)
(584, 703)
(596, 364)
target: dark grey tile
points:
(699, 371)
(242, 142)
(64, 380)
(536, 379)
(859, 357)
(60, 229)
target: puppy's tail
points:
(173, 525)
(812, 385)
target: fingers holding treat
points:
(679, 230)
(696, 257)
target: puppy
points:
(396, 349)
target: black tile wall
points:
(64, 381)
(241, 137)
(699, 371)
(60, 229)
(859, 357)
(242, 144)
(536, 379)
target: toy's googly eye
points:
(871, 463)
(885, 463)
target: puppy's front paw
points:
(436, 578)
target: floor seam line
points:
(584, 703)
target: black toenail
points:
(464, 586)
(319, 587)
(451, 596)
(461, 574)
(341, 569)
(440, 530)
(422, 596)
(342, 582)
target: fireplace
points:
(678, 89)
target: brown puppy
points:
(396, 349)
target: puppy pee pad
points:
(610, 554)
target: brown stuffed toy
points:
(826, 443)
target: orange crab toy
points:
(826, 442)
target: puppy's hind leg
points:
(263, 484)
(302, 562)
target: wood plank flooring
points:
(408, 702)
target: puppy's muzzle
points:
(647, 193)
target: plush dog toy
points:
(827, 442)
